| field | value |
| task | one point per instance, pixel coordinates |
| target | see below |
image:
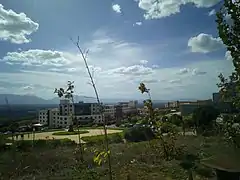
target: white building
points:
(43, 116)
(82, 112)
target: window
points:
(65, 122)
(65, 118)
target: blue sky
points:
(171, 45)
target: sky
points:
(170, 45)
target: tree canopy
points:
(228, 22)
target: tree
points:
(203, 118)
(228, 23)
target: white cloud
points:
(27, 88)
(205, 43)
(174, 81)
(143, 61)
(107, 51)
(228, 56)
(135, 70)
(163, 8)
(196, 71)
(212, 12)
(116, 8)
(155, 66)
(150, 81)
(38, 57)
(163, 82)
(137, 23)
(14, 27)
(183, 71)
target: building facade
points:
(83, 113)
(187, 108)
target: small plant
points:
(92, 83)
(168, 147)
(68, 94)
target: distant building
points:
(43, 117)
(83, 113)
(187, 108)
(222, 105)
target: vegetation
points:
(228, 21)
(203, 118)
(134, 160)
(68, 94)
(64, 133)
(138, 134)
(107, 150)
(99, 139)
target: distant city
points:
(83, 113)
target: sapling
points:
(92, 83)
(68, 94)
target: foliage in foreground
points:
(138, 161)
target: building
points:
(84, 113)
(43, 116)
(54, 118)
(174, 104)
(187, 108)
(222, 105)
(128, 108)
(109, 114)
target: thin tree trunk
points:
(101, 110)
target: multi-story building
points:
(43, 116)
(187, 108)
(83, 113)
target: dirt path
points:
(45, 135)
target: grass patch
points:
(64, 133)
(134, 161)
(99, 139)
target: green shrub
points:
(25, 145)
(64, 133)
(175, 119)
(99, 139)
(168, 127)
(137, 134)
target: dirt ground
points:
(48, 135)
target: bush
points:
(64, 133)
(25, 145)
(168, 127)
(137, 134)
(175, 119)
(99, 139)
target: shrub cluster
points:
(99, 139)
(42, 143)
(137, 134)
